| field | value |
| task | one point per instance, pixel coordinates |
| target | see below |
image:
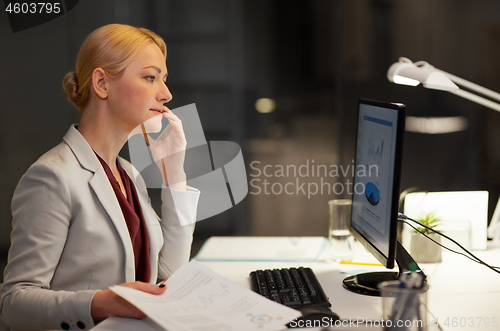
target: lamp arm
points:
(423, 72)
(472, 86)
(477, 99)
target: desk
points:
(461, 291)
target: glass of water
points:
(339, 236)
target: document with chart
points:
(199, 299)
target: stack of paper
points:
(199, 299)
(262, 249)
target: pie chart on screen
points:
(372, 194)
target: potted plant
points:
(423, 249)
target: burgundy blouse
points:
(132, 212)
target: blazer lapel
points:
(102, 188)
(104, 192)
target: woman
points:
(82, 220)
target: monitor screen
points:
(374, 216)
(379, 141)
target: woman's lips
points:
(159, 111)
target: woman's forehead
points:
(150, 57)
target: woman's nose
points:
(165, 95)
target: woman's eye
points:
(150, 78)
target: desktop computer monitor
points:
(374, 214)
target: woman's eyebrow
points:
(155, 68)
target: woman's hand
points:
(169, 152)
(107, 303)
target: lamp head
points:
(406, 72)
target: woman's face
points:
(139, 93)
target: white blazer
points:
(69, 238)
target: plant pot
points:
(423, 250)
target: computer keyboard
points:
(293, 287)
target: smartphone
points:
(165, 123)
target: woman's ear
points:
(100, 81)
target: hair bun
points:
(70, 85)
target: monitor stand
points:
(366, 283)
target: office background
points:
(314, 58)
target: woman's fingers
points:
(106, 303)
(172, 117)
(145, 287)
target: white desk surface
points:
(462, 293)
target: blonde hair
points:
(112, 48)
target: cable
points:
(447, 248)
(403, 218)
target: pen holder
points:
(403, 309)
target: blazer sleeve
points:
(41, 211)
(177, 224)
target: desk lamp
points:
(406, 72)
